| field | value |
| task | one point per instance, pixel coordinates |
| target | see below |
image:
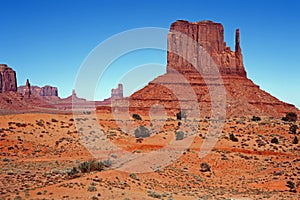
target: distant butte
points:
(185, 59)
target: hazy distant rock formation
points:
(46, 91)
(117, 93)
(8, 80)
(187, 44)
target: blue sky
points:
(48, 40)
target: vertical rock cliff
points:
(199, 63)
(185, 55)
(8, 80)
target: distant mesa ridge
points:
(195, 47)
(44, 91)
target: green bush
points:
(141, 132)
(137, 117)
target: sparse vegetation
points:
(291, 185)
(181, 115)
(274, 140)
(91, 165)
(6, 160)
(133, 176)
(141, 132)
(295, 140)
(54, 120)
(233, 138)
(256, 118)
(290, 117)
(205, 167)
(179, 135)
(154, 194)
(40, 122)
(293, 129)
(137, 117)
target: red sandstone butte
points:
(194, 48)
(8, 80)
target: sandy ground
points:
(38, 152)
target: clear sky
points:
(48, 40)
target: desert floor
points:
(40, 155)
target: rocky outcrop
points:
(199, 45)
(8, 80)
(27, 91)
(199, 65)
(117, 93)
(49, 91)
(46, 91)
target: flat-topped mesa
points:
(46, 91)
(188, 42)
(8, 80)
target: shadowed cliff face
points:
(207, 37)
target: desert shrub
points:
(290, 117)
(204, 167)
(274, 140)
(106, 163)
(18, 197)
(233, 138)
(293, 129)
(54, 120)
(181, 115)
(141, 132)
(94, 198)
(40, 122)
(154, 194)
(295, 140)
(133, 176)
(20, 124)
(6, 160)
(256, 118)
(73, 171)
(92, 188)
(137, 117)
(179, 135)
(291, 185)
(87, 112)
(91, 165)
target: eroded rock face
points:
(27, 91)
(194, 50)
(201, 45)
(117, 93)
(46, 91)
(8, 80)
(49, 91)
